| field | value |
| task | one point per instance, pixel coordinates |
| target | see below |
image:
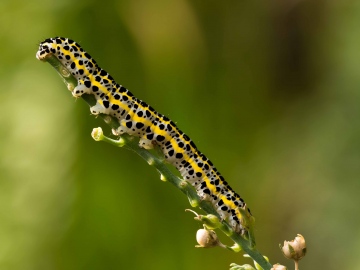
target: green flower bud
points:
(257, 266)
(97, 134)
(294, 249)
(235, 266)
(210, 221)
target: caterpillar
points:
(137, 118)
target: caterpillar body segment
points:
(139, 119)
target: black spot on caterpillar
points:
(139, 119)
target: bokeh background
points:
(269, 90)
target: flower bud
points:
(235, 266)
(210, 221)
(97, 134)
(207, 238)
(257, 266)
(278, 267)
(294, 249)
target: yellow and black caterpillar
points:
(139, 119)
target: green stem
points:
(130, 143)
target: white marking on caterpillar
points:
(139, 119)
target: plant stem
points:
(296, 265)
(131, 143)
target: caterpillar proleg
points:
(139, 119)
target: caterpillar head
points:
(47, 47)
(69, 53)
(54, 46)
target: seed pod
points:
(278, 267)
(294, 249)
(207, 238)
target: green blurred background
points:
(269, 90)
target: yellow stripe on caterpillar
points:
(139, 119)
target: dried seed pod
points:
(207, 238)
(278, 267)
(294, 249)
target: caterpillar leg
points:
(97, 109)
(145, 143)
(121, 129)
(114, 132)
(235, 223)
(203, 196)
(83, 87)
